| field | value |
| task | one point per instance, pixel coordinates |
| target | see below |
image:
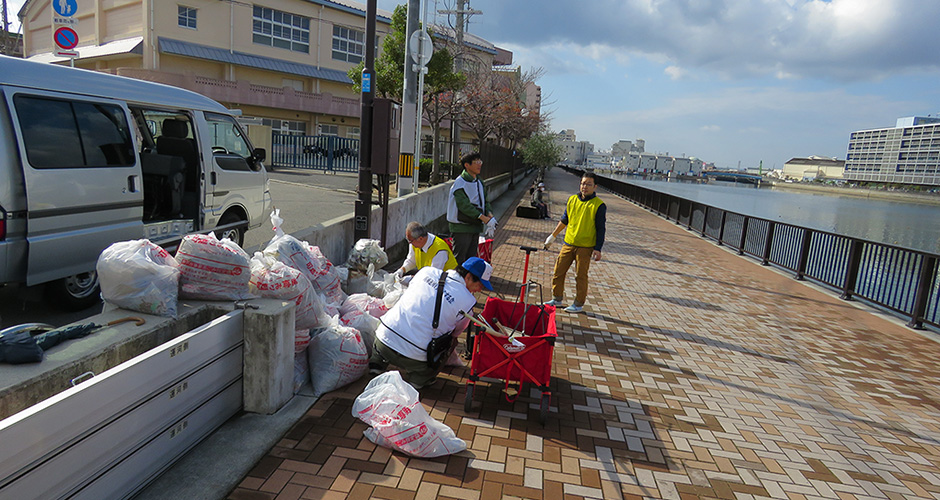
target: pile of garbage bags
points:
(335, 316)
(337, 310)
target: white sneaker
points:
(574, 308)
(555, 302)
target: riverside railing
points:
(899, 279)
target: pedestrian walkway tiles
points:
(692, 374)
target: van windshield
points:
(226, 136)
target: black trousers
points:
(465, 246)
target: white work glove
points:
(490, 230)
(549, 241)
(399, 274)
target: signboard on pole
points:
(64, 36)
(421, 47)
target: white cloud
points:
(675, 72)
(844, 40)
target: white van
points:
(88, 158)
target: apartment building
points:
(574, 152)
(908, 153)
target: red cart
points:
(529, 359)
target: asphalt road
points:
(305, 198)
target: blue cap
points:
(481, 269)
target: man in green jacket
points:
(468, 209)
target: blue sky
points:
(728, 81)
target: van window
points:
(73, 134)
(227, 139)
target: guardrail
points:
(899, 279)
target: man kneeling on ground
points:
(404, 337)
(425, 249)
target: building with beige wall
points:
(814, 167)
(283, 63)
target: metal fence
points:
(331, 153)
(899, 279)
(319, 152)
(497, 160)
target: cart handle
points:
(483, 324)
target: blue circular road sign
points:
(65, 8)
(66, 38)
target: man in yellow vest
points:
(586, 219)
(425, 249)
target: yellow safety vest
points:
(581, 231)
(423, 259)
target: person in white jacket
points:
(407, 328)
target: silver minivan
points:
(88, 159)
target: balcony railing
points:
(242, 92)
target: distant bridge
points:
(719, 175)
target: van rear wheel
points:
(74, 293)
(236, 234)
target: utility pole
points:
(6, 47)
(460, 24)
(363, 212)
(406, 158)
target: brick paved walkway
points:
(693, 374)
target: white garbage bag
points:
(398, 420)
(273, 279)
(308, 259)
(372, 305)
(140, 276)
(338, 356)
(213, 269)
(367, 252)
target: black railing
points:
(899, 279)
(319, 152)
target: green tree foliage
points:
(440, 83)
(390, 64)
(540, 150)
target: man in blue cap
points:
(417, 334)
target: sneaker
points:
(573, 308)
(555, 302)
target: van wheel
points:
(235, 234)
(74, 293)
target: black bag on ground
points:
(439, 347)
(527, 212)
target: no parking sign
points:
(64, 36)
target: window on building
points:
(294, 84)
(329, 129)
(352, 132)
(281, 29)
(187, 17)
(348, 44)
(286, 127)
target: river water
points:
(906, 224)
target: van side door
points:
(83, 180)
(236, 179)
